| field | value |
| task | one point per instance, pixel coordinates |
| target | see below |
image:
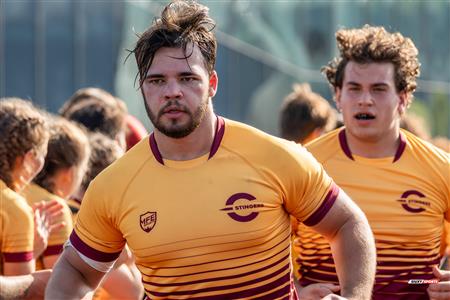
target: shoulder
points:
(117, 176)
(325, 146)
(428, 160)
(34, 193)
(425, 151)
(15, 206)
(260, 148)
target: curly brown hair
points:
(375, 44)
(68, 146)
(182, 23)
(23, 128)
(302, 112)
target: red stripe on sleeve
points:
(18, 256)
(318, 215)
(53, 250)
(90, 252)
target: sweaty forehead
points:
(176, 59)
(382, 72)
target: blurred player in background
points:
(24, 136)
(400, 181)
(65, 164)
(305, 115)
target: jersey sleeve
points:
(95, 233)
(311, 192)
(57, 239)
(17, 231)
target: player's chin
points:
(366, 133)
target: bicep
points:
(342, 211)
(71, 259)
(72, 277)
(18, 268)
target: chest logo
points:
(413, 202)
(243, 212)
(148, 221)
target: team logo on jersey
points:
(148, 221)
(412, 201)
(242, 212)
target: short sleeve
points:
(17, 229)
(95, 234)
(310, 191)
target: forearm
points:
(14, 287)
(354, 254)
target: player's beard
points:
(172, 128)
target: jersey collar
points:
(346, 149)
(220, 131)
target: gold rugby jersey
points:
(16, 227)
(405, 199)
(214, 227)
(33, 193)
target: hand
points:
(317, 291)
(45, 222)
(440, 290)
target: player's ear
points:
(213, 83)
(403, 102)
(337, 97)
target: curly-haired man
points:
(400, 181)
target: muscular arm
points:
(72, 278)
(352, 244)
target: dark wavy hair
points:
(182, 23)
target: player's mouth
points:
(364, 116)
(173, 111)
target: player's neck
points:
(192, 146)
(385, 146)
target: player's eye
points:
(188, 78)
(155, 81)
